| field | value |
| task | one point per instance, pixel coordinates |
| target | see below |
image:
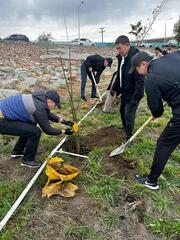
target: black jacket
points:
(42, 114)
(163, 82)
(132, 84)
(96, 62)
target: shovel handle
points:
(141, 128)
(96, 86)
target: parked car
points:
(82, 42)
(171, 43)
(144, 44)
(17, 37)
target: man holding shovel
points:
(93, 67)
(19, 116)
(162, 83)
(130, 86)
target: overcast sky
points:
(32, 17)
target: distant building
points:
(154, 42)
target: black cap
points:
(110, 60)
(138, 58)
(54, 96)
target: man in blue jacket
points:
(94, 64)
(162, 83)
(19, 116)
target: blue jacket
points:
(13, 108)
(31, 108)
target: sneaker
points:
(94, 97)
(83, 99)
(146, 182)
(31, 164)
(15, 154)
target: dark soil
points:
(52, 217)
(102, 137)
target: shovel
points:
(121, 149)
(100, 98)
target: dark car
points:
(17, 37)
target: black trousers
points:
(84, 73)
(166, 144)
(29, 136)
(128, 113)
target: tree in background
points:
(143, 31)
(176, 31)
(45, 37)
(137, 30)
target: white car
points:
(144, 44)
(82, 42)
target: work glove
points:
(68, 123)
(68, 131)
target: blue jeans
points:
(84, 73)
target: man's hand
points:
(68, 131)
(68, 123)
(90, 69)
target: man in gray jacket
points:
(19, 116)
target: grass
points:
(168, 229)
(104, 190)
(161, 207)
(80, 232)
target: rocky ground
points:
(28, 67)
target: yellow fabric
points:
(57, 171)
(75, 127)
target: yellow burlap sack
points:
(59, 173)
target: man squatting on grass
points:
(162, 83)
(19, 116)
(92, 64)
(130, 86)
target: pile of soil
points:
(102, 137)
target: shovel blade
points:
(117, 151)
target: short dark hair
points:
(123, 40)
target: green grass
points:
(9, 191)
(80, 232)
(111, 220)
(104, 190)
(168, 229)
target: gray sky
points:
(32, 17)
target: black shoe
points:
(146, 182)
(31, 164)
(83, 99)
(94, 97)
(15, 154)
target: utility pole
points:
(102, 33)
(82, 2)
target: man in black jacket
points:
(92, 64)
(162, 83)
(130, 86)
(19, 116)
